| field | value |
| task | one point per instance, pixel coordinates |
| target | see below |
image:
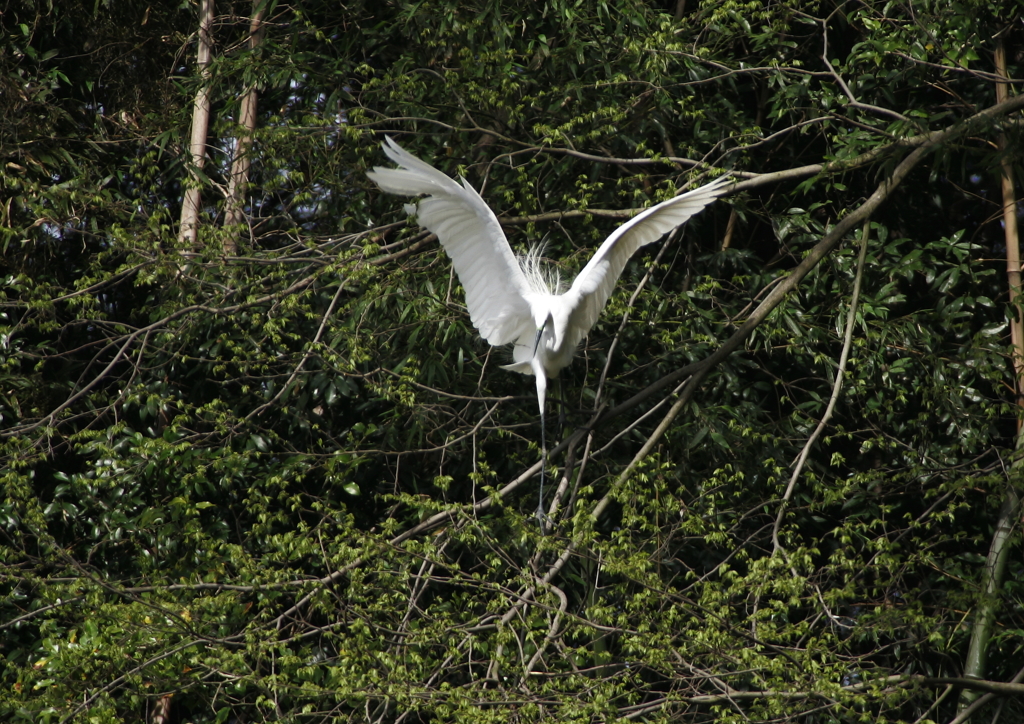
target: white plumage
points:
(507, 297)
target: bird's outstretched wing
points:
(468, 230)
(594, 284)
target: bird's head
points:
(542, 321)
(551, 320)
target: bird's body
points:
(509, 299)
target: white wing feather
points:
(469, 232)
(594, 284)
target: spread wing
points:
(469, 232)
(595, 282)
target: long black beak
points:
(536, 342)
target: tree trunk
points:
(999, 549)
(188, 231)
(239, 179)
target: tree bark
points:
(999, 548)
(188, 231)
(239, 180)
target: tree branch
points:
(851, 321)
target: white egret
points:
(510, 300)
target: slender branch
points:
(124, 677)
(966, 713)
(625, 318)
(305, 357)
(563, 605)
(823, 247)
(851, 321)
(891, 684)
(980, 74)
(699, 370)
(853, 102)
(128, 339)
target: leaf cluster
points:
(290, 482)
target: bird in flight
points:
(510, 299)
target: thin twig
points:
(851, 321)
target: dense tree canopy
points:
(257, 465)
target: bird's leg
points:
(542, 386)
(543, 465)
(561, 407)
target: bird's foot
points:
(543, 520)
